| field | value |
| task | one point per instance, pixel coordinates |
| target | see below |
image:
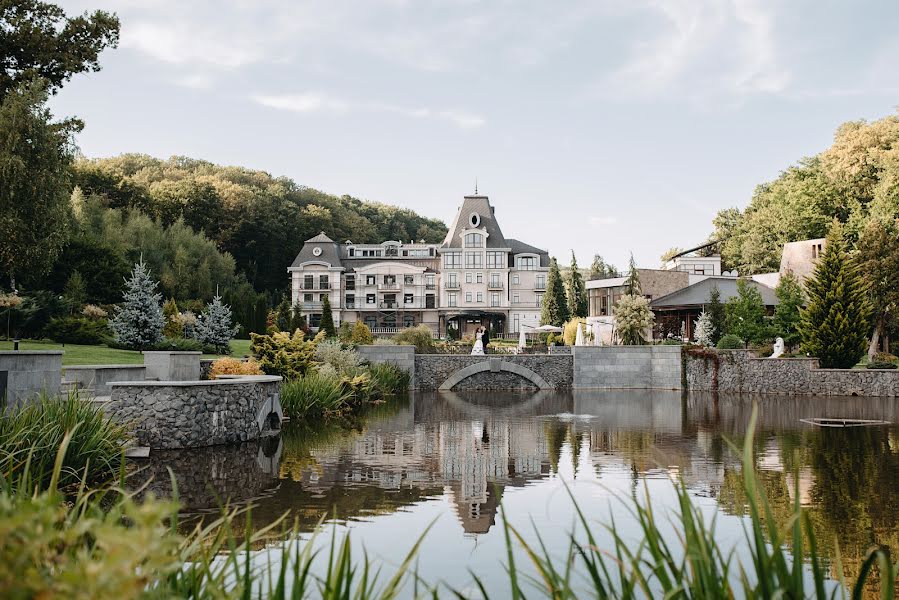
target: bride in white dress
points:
(478, 347)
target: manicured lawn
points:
(76, 354)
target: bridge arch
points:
(494, 365)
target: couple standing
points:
(481, 339)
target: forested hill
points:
(260, 220)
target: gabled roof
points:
(698, 293)
(479, 205)
(330, 253)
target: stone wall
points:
(432, 370)
(740, 371)
(401, 356)
(95, 379)
(24, 374)
(172, 365)
(627, 367)
(191, 414)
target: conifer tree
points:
(835, 323)
(555, 306)
(327, 322)
(632, 283)
(787, 315)
(214, 326)
(703, 329)
(297, 320)
(173, 327)
(75, 291)
(138, 321)
(717, 315)
(746, 314)
(577, 291)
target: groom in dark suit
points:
(485, 337)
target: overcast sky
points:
(599, 126)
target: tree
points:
(362, 334)
(138, 321)
(704, 329)
(745, 314)
(633, 318)
(577, 291)
(37, 40)
(214, 326)
(717, 315)
(555, 306)
(835, 322)
(632, 283)
(75, 291)
(599, 269)
(787, 317)
(669, 254)
(878, 261)
(297, 320)
(173, 327)
(327, 321)
(35, 154)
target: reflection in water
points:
(465, 452)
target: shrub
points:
(361, 335)
(420, 336)
(92, 311)
(569, 330)
(173, 327)
(344, 362)
(884, 357)
(77, 330)
(881, 365)
(763, 350)
(286, 354)
(314, 395)
(186, 345)
(730, 342)
(389, 379)
(234, 366)
(381, 341)
(345, 332)
(633, 318)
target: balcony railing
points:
(349, 305)
(311, 305)
(318, 287)
(388, 286)
(430, 286)
(495, 285)
(452, 285)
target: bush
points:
(345, 332)
(881, 365)
(77, 330)
(763, 350)
(420, 336)
(884, 357)
(315, 395)
(286, 354)
(383, 342)
(344, 362)
(389, 379)
(173, 345)
(730, 342)
(361, 335)
(234, 366)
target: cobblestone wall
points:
(740, 371)
(192, 414)
(432, 370)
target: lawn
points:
(77, 354)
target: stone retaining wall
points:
(432, 370)
(740, 371)
(627, 367)
(96, 378)
(191, 414)
(24, 374)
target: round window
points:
(474, 219)
(317, 251)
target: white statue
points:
(778, 348)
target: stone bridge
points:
(492, 372)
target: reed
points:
(315, 395)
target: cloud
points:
(315, 102)
(182, 45)
(602, 221)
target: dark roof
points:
(522, 248)
(330, 253)
(481, 206)
(698, 293)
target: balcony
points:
(307, 306)
(452, 285)
(318, 287)
(349, 305)
(496, 285)
(430, 286)
(385, 287)
(540, 286)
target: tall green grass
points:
(314, 396)
(31, 435)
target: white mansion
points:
(475, 277)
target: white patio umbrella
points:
(522, 341)
(597, 334)
(548, 329)
(579, 338)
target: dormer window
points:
(474, 240)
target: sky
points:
(598, 126)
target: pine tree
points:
(599, 269)
(717, 315)
(283, 316)
(577, 291)
(173, 327)
(327, 322)
(297, 320)
(138, 321)
(632, 283)
(746, 314)
(835, 323)
(555, 306)
(214, 326)
(75, 291)
(787, 315)
(703, 329)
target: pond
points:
(449, 460)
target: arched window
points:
(474, 240)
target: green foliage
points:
(633, 318)
(787, 314)
(289, 355)
(389, 379)
(835, 322)
(703, 330)
(876, 364)
(314, 395)
(362, 335)
(555, 304)
(746, 314)
(138, 321)
(101, 267)
(730, 342)
(344, 362)
(40, 41)
(75, 292)
(576, 290)
(878, 262)
(419, 336)
(31, 435)
(717, 315)
(77, 330)
(569, 330)
(599, 269)
(173, 327)
(35, 155)
(632, 285)
(214, 327)
(345, 332)
(327, 321)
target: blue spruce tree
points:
(214, 326)
(138, 321)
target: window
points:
(541, 282)
(452, 260)
(474, 260)
(496, 260)
(429, 301)
(474, 240)
(408, 279)
(321, 297)
(389, 279)
(369, 280)
(307, 297)
(369, 298)
(351, 252)
(390, 251)
(539, 299)
(526, 263)
(494, 279)
(516, 298)
(468, 278)
(516, 322)
(452, 279)
(408, 321)
(480, 296)
(408, 298)
(494, 299)
(429, 282)
(351, 282)
(515, 280)
(323, 282)
(315, 320)
(451, 300)
(350, 300)
(480, 278)
(468, 296)
(308, 282)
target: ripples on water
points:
(451, 458)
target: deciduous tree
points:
(787, 314)
(878, 260)
(746, 314)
